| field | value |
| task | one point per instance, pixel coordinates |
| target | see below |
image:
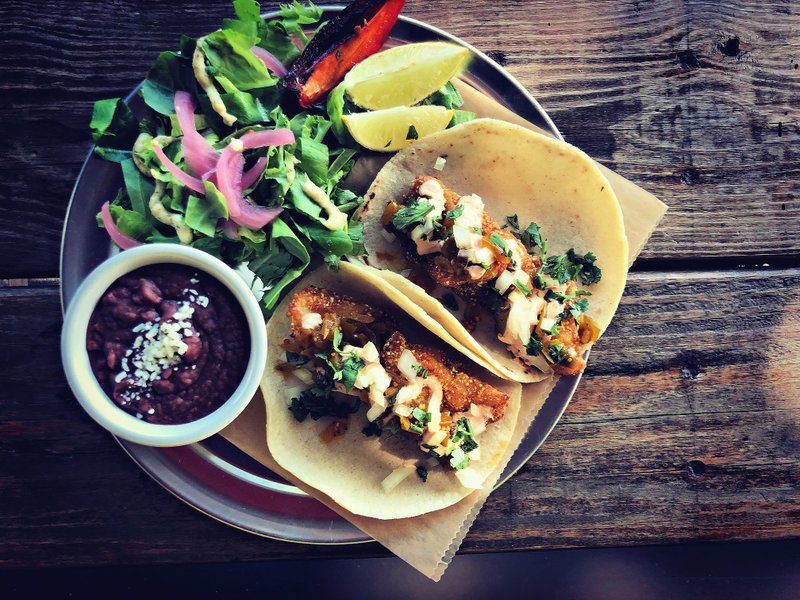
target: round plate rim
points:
(540, 428)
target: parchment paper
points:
(429, 542)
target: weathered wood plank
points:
(698, 102)
(686, 427)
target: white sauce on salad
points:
(336, 220)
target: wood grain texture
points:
(697, 101)
(686, 427)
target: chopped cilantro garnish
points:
(586, 270)
(561, 298)
(412, 133)
(392, 399)
(448, 300)
(337, 340)
(317, 402)
(476, 229)
(534, 346)
(554, 350)
(414, 212)
(392, 427)
(532, 237)
(421, 371)
(469, 445)
(581, 305)
(498, 241)
(295, 358)
(420, 415)
(452, 215)
(485, 266)
(495, 300)
(557, 267)
(513, 221)
(423, 473)
(372, 429)
(538, 281)
(522, 287)
(553, 329)
(350, 368)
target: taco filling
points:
(538, 306)
(351, 353)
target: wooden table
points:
(687, 425)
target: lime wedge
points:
(395, 128)
(404, 75)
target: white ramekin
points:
(84, 384)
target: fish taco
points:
(513, 241)
(372, 409)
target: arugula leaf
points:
(228, 54)
(447, 96)
(202, 214)
(414, 212)
(461, 116)
(283, 262)
(336, 242)
(139, 188)
(113, 124)
(587, 271)
(130, 222)
(314, 159)
(355, 230)
(170, 72)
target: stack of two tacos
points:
(495, 258)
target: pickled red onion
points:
(230, 183)
(229, 229)
(272, 63)
(200, 154)
(193, 183)
(120, 239)
(273, 137)
(256, 217)
(229, 178)
(252, 174)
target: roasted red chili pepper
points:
(351, 36)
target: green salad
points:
(224, 159)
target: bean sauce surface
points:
(168, 343)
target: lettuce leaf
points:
(228, 54)
(113, 124)
(171, 72)
(285, 260)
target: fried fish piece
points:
(447, 268)
(316, 314)
(459, 389)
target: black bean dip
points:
(168, 343)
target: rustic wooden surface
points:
(687, 426)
